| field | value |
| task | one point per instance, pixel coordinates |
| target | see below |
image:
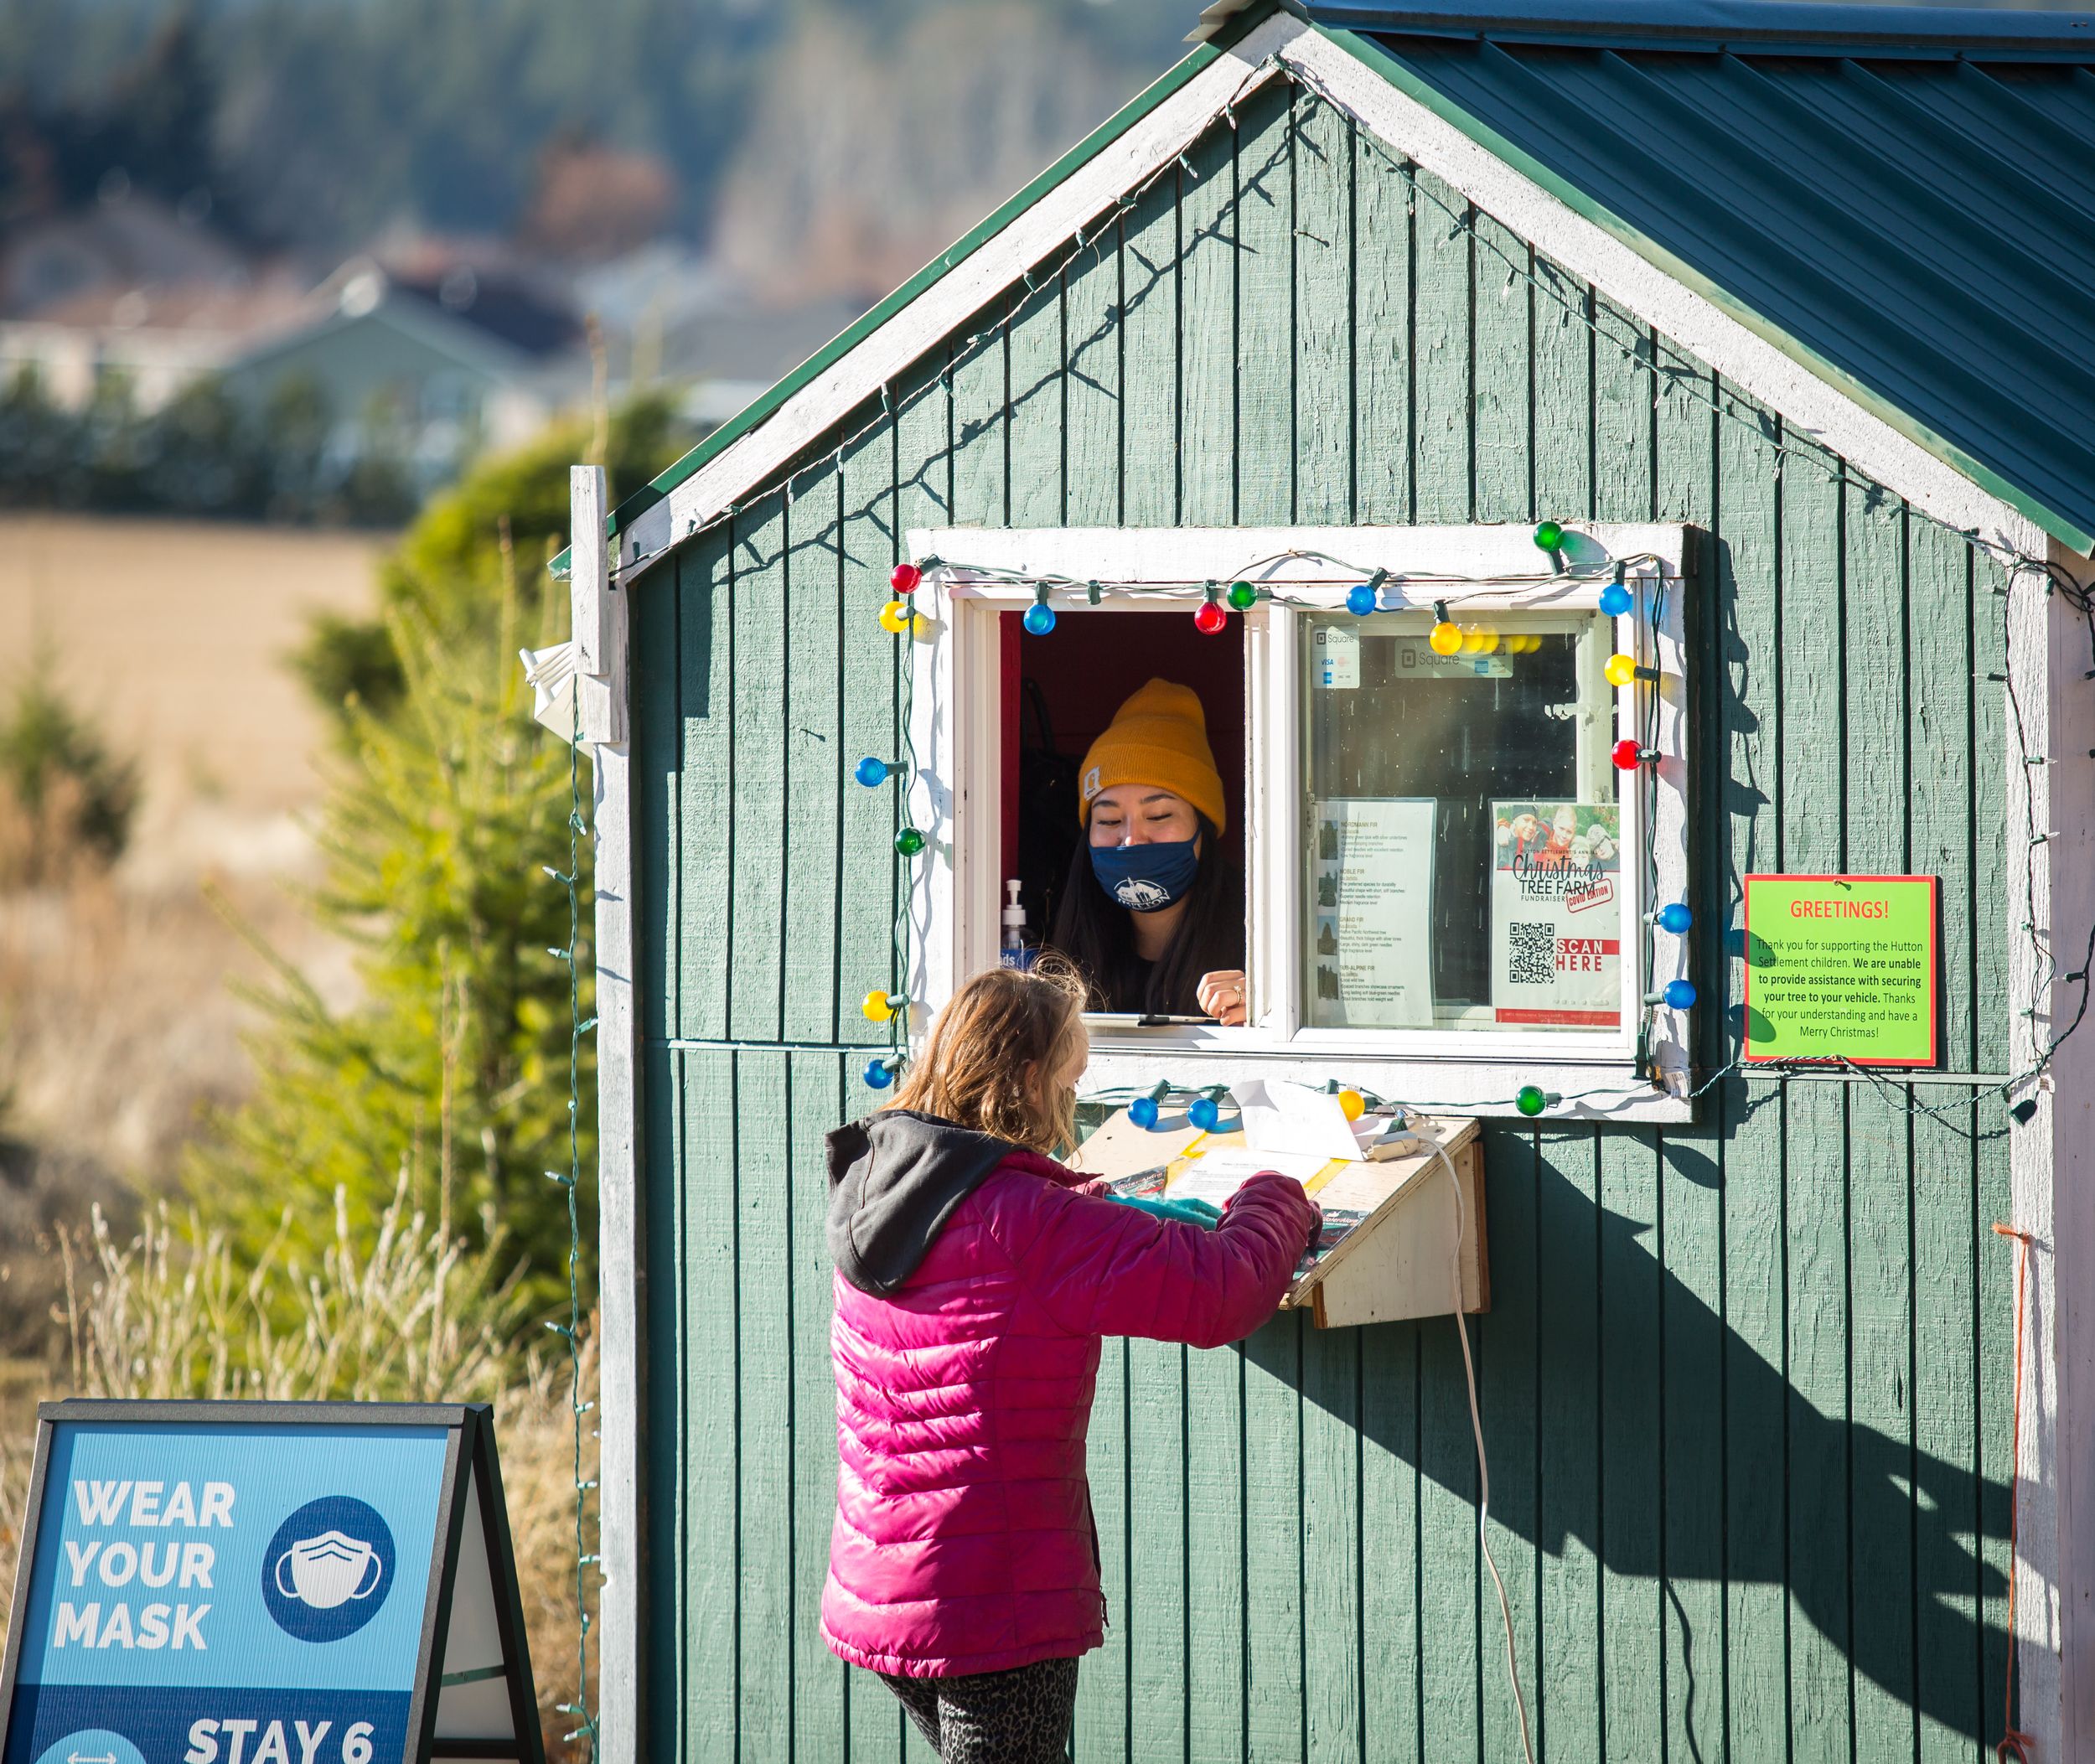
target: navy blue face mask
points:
(1147, 878)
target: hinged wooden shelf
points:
(1392, 1265)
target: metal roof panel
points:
(1924, 227)
(1759, 27)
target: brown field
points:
(173, 634)
(117, 1026)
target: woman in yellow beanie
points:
(1152, 916)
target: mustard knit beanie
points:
(1159, 736)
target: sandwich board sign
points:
(265, 1583)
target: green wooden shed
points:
(1774, 320)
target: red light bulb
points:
(1627, 755)
(1210, 618)
(904, 577)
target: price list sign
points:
(1842, 968)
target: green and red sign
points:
(1841, 968)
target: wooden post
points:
(2050, 777)
(600, 636)
(597, 607)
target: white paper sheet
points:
(1215, 1175)
(1371, 923)
(1281, 1117)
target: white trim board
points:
(1808, 403)
(2051, 1159)
(600, 627)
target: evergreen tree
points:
(447, 807)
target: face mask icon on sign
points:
(328, 1571)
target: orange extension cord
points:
(2014, 1742)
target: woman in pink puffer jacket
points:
(975, 1278)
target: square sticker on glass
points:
(1335, 656)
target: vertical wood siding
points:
(1743, 1385)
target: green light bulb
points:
(1531, 1100)
(1550, 536)
(1243, 596)
(909, 842)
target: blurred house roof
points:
(133, 242)
(370, 331)
(672, 316)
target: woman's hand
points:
(1222, 995)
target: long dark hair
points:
(1092, 929)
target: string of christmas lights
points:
(570, 1179)
(1633, 755)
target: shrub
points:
(452, 1067)
(446, 809)
(66, 798)
(410, 1316)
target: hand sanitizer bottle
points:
(1016, 952)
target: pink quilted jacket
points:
(964, 1540)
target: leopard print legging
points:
(1023, 1716)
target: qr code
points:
(1531, 955)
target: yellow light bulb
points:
(1352, 1105)
(876, 1008)
(1486, 639)
(898, 616)
(1473, 641)
(1620, 669)
(1446, 640)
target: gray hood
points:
(895, 1178)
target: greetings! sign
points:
(1557, 914)
(1842, 968)
(263, 1583)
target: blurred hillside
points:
(580, 130)
(303, 260)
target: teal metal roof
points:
(1905, 196)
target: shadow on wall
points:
(1623, 1415)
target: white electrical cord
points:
(1476, 1426)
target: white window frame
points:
(955, 790)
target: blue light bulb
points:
(870, 773)
(1680, 994)
(1360, 601)
(1206, 1114)
(1675, 918)
(1040, 619)
(879, 1075)
(1614, 600)
(1142, 1111)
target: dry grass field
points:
(173, 634)
(117, 1026)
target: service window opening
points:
(1463, 870)
(1059, 692)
